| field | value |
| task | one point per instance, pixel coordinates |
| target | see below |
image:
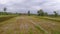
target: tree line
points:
(42, 13)
(8, 13)
(39, 13)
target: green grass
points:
(9, 32)
(50, 18)
(55, 19)
(30, 31)
(4, 18)
(56, 32)
(39, 28)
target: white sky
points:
(33, 5)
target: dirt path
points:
(27, 25)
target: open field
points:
(29, 25)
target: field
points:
(29, 25)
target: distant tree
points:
(28, 13)
(5, 9)
(46, 14)
(55, 14)
(40, 13)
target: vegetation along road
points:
(29, 25)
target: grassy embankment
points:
(52, 20)
(57, 19)
(5, 17)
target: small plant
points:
(30, 31)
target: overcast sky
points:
(32, 5)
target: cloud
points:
(32, 5)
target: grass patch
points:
(9, 32)
(4, 18)
(56, 32)
(40, 29)
(21, 33)
(49, 18)
(6, 21)
(30, 31)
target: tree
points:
(40, 13)
(28, 13)
(46, 14)
(55, 13)
(5, 9)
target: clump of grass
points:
(21, 33)
(56, 32)
(41, 30)
(30, 31)
(9, 31)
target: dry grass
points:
(24, 25)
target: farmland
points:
(29, 25)
(29, 17)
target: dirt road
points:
(29, 25)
